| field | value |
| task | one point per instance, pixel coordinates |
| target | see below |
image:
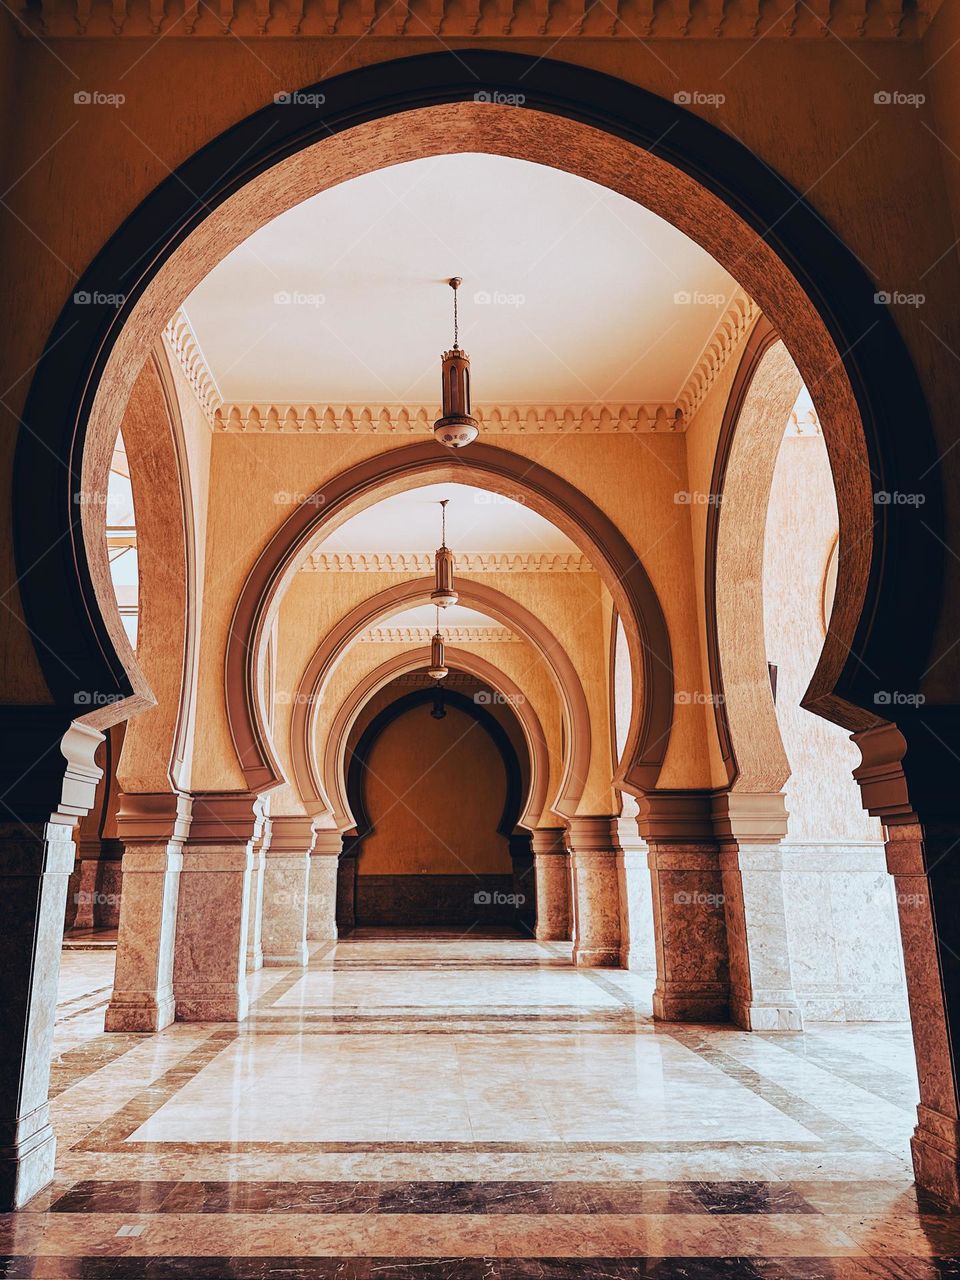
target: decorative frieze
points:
(451, 635)
(628, 19)
(635, 418)
(734, 325)
(467, 562)
(526, 419)
(182, 344)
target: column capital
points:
(757, 817)
(594, 833)
(224, 817)
(156, 817)
(290, 834)
(546, 841)
(676, 817)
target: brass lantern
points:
(437, 669)
(444, 592)
(456, 427)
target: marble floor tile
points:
(414, 1105)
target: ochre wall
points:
(817, 104)
(521, 664)
(434, 792)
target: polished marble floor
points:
(421, 1106)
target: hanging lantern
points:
(456, 427)
(438, 667)
(444, 593)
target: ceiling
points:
(425, 615)
(477, 521)
(342, 299)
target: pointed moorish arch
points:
(310, 770)
(331, 784)
(810, 285)
(500, 471)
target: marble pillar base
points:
(596, 892)
(331, 890)
(935, 1147)
(153, 827)
(762, 997)
(551, 869)
(28, 1154)
(255, 913)
(286, 878)
(638, 949)
(210, 960)
(693, 982)
(84, 887)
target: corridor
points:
(437, 1106)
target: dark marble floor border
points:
(892, 1267)
(209, 1196)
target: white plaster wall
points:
(842, 926)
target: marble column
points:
(286, 879)
(255, 914)
(84, 883)
(551, 868)
(346, 903)
(329, 891)
(209, 967)
(43, 799)
(749, 829)
(693, 982)
(594, 849)
(637, 945)
(152, 829)
(908, 779)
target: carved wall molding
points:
(466, 562)
(666, 19)
(182, 344)
(524, 419)
(733, 327)
(633, 418)
(451, 635)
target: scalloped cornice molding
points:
(182, 344)
(633, 19)
(466, 562)
(451, 635)
(395, 419)
(734, 325)
(524, 419)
